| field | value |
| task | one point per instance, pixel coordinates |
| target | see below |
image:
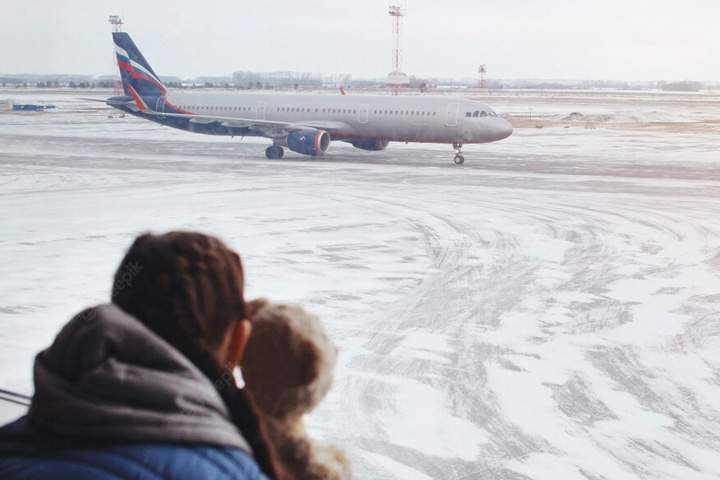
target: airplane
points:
(304, 123)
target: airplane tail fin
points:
(138, 78)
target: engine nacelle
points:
(309, 142)
(370, 144)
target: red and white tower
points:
(396, 79)
(481, 76)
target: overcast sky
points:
(549, 39)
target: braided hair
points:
(189, 292)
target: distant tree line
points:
(284, 79)
(681, 86)
(102, 84)
(71, 84)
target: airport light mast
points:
(396, 79)
(397, 13)
(117, 22)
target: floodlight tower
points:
(117, 22)
(481, 76)
(396, 12)
(397, 79)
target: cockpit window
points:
(481, 114)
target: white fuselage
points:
(405, 118)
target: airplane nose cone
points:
(503, 129)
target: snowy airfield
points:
(548, 310)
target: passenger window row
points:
(279, 109)
(234, 109)
(317, 110)
(403, 112)
(331, 110)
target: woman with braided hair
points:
(144, 387)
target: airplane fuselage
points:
(432, 119)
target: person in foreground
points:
(143, 387)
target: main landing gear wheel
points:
(459, 159)
(274, 152)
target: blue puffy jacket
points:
(29, 455)
(114, 401)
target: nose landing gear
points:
(459, 159)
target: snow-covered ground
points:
(548, 310)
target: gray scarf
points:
(107, 377)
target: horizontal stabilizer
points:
(110, 101)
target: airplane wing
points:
(268, 128)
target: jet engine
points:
(370, 144)
(309, 142)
